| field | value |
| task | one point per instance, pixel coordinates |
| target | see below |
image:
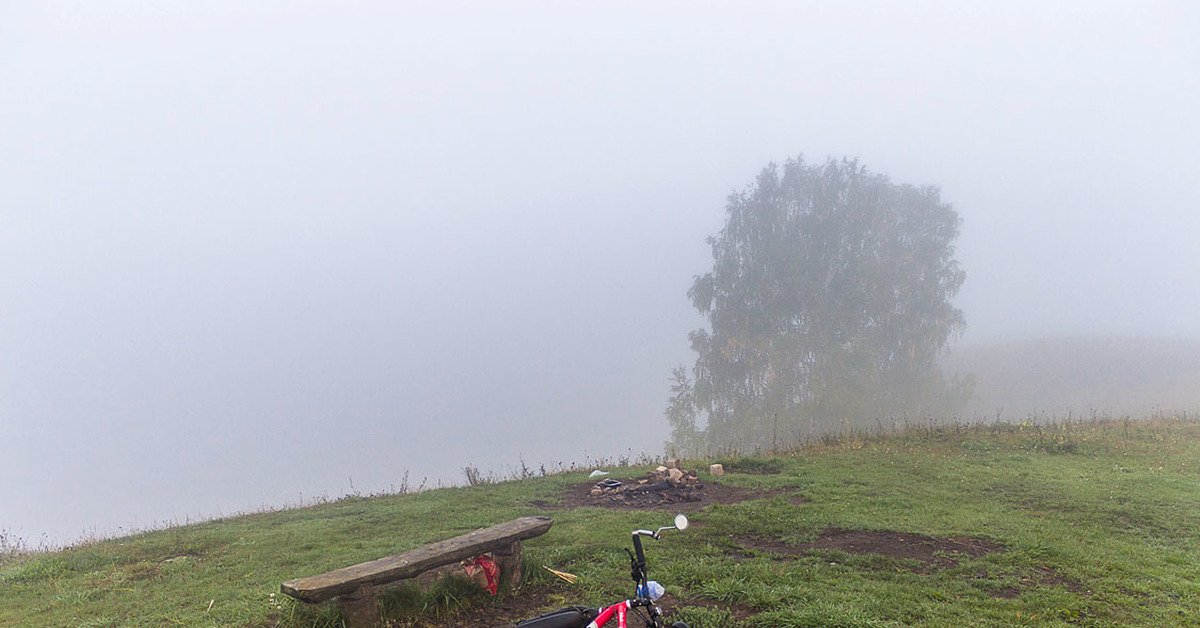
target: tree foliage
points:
(827, 304)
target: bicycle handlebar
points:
(637, 567)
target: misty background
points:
(255, 255)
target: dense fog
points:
(254, 255)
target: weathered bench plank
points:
(416, 561)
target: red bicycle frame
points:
(620, 609)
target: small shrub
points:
(750, 465)
(475, 477)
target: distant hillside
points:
(1080, 376)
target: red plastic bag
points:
(483, 569)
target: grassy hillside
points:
(1072, 525)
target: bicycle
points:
(646, 593)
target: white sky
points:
(251, 255)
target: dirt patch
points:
(508, 610)
(657, 496)
(1006, 593)
(740, 612)
(933, 553)
(1049, 577)
(1038, 577)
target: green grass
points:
(1099, 523)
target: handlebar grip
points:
(637, 546)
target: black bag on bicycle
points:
(569, 617)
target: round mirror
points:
(681, 521)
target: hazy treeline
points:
(1082, 376)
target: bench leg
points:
(509, 561)
(360, 608)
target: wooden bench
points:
(354, 586)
